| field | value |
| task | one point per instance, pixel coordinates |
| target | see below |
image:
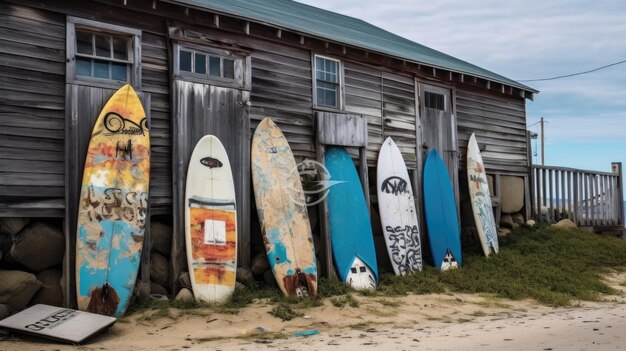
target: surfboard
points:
(481, 199)
(211, 222)
(113, 206)
(398, 214)
(282, 211)
(440, 211)
(350, 227)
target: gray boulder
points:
(269, 279)
(158, 289)
(50, 292)
(161, 238)
(518, 218)
(4, 312)
(12, 225)
(244, 275)
(565, 224)
(159, 269)
(506, 220)
(511, 194)
(184, 295)
(17, 288)
(184, 280)
(259, 264)
(39, 246)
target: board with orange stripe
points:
(211, 222)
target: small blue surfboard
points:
(442, 220)
(350, 226)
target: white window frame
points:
(340, 83)
(241, 75)
(134, 74)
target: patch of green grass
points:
(552, 266)
(285, 312)
(341, 301)
(332, 287)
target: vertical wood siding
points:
(32, 119)
(500, 126)
(155, 81)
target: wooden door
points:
(201, 109)
(438, 129)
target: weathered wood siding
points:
(388, 102)
(399, 114)
(500, 127)
(155, 81)
(32, 104)
(32, 119)
(282, 90)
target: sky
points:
(585, 115)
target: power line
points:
(573, 74)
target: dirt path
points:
(427, 322)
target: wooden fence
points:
(588, 198)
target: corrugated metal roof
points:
(332, 26)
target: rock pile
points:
(31, 255)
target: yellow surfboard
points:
(113, 206)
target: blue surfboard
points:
(442, 220)
(350, 227)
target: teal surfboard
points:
(442, 220)
(350, 226)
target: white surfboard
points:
(481, 199)
(398, 213)
(211, 222)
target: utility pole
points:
(542, 142)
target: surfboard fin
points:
(104, 300)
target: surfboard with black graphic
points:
(113, 206)
(398, 212)
(211, 222)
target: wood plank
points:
(341, 129)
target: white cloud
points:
(524, 40)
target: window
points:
(202, 64)
(327, 82)
(101, 53)
(434, 101)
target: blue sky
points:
(530, 39)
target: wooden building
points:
(219, 67)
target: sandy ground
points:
(425, 322)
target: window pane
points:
(214, 66)
(103, 46)
(331, 98)
(83, 67)
(200, 63)
(229, 69)
(327, 94)
(319, 68)
(434, 101)
(83, 43)
(185, 61)
(119, 71)
(120, 48)
(326, 70)
(101, 69)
